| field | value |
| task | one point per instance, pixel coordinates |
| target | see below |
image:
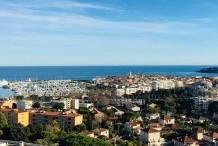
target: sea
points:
(89, 72)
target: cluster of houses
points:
(122, 85)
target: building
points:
(152, 116)
(166, 120)
(133, 107)
(7, 103)
(151, 137)
(85, 103)
(68, 103)
(133, 127)
(101, 132)
(201, 103)
(75, 103)
(15, 116)
(155, 126)
(185, 141)
(210, 137)
(199, 132)
(163, 84)
(24, 104)
(66, 120)
(115, 111)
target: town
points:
(132, 110)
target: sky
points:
(108, 32)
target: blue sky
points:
(108, 32)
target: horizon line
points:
(106, 65)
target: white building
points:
(201, 103)
(133, 126)
(133, 107)
(68, 103)
(24, 104)
(101, 132)
(151, 137)
(166, 120)
(75, 103)
(163, 84)
(85, 103)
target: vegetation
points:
(77, 140)
(48, 135)
(209, 70)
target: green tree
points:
(16, 132)
(14, 105)
(213, 107)
(36, 105)
(78, 140)
(58, 106)
(150, 110)
(3, 121)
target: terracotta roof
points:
(55, 114)
(155, 125)
(134, 124)
(166, 117)
(212, 134)
(186, 140)
(12, 110)
(113, 118)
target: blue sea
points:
(89, 72)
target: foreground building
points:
(15, 116)
(151, 137)
(66, 120)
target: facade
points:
(66, 120)
(24, 104)
(151, 137)
(101, 132)
(75, 103)
(133, 127)
(201, 103)
(199, 132)
(163, 84)
(68, 103)
(7, 103)
(166, 120)
(156, 126)
(15, 116)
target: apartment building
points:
(15, 116)
(201, 103)
(7, 103)
(66, 120)
(24, 104)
